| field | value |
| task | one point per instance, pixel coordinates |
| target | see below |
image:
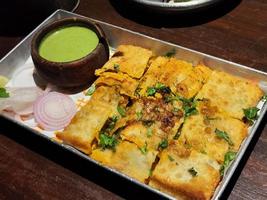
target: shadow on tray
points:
(19, 17)
(145, 16)
(96, 174)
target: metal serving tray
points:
(20, 55)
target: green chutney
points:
(68, 44)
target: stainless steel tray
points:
(116, 36)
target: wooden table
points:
(31, 168)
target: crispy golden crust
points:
(128, 159)
(230, 94)
(182, 78)
(86, 124)
(199, 132)
(142, 136)
(125, 84)
(130, 59)
(172, 173)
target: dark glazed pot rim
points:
(66, 23)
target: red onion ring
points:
(53, 111)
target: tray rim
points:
(233, 166)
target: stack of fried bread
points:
(163, 121)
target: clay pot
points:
(72, 76)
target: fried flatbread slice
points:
(125, 84)
(128, 59)
(230, 94)
(180, 76)
(185, 173)
(199, 131)
(142, 136)
(87, 122)
(128, 159)
(149, 121)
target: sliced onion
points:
(21, 99)
(53, 111)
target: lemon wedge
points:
(3, 81)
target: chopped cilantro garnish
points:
(111, 123)
(151, 91)
(228, 157)
(149, 132)
(107, 141)
(159, 87)
(143, 149)
(90, 90)
(116, 67)
(264, 97)
(224, 135)
(190, 109)
(171, 53)
(139, 115)
(121, 110)
(170, 158)
(163, 144)
(251, 114)
(3, 93)
(192, 171)
(189, 105)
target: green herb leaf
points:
(149, 132)
(107, 141)
(171, 53)
(3, 93)
(224, 135)
(90, 90)
(151, 91)
(111, 123)
(251, 114)
(170, 158)
(144, 149)
(228, 157)
(189, 105)
(139, 115)
(192, 171)
(116, 67)
(163, 144)
(121, 110)
(264, 97)
(159, 87)
(190, 110)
